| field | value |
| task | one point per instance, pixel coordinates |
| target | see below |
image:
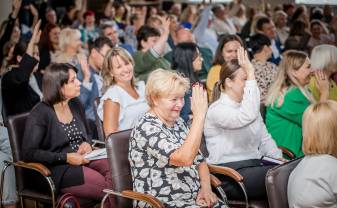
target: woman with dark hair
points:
(49, 44)
(298, 37)
(265, 71)
(235, 134)
(56, 136)
(187, 60)
(20, 91)
(226, 51)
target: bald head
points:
(184, 35)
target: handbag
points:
(68, 200)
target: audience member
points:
(56, 136)
(221, 23)
(89, 31)
(280, 19)
(265, 71)
(324, 57)
(298, 37)
(226, 51)
(20, 91)
(151, 48)
(235, 134)
(313, 183)
(266, 26)
(183, 176)
(288, 98)
(187, 60)
(91, 79)
(123, 101)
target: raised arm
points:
(159, 46)
(185, 155)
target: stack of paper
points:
(96, 154)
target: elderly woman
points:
(317, 171)
(324, 57)
(56, 136)
(164, 154)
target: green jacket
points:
(147, 62)
(284, 123)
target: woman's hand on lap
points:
(206, 197)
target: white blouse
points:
(131, 109)
(235, 131)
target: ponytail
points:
(216, 91)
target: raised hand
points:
(35, 39)
(199, 104)
(84, 67)
(323, 84)
(16, 8)
(245, 63)
(165, 21)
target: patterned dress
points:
(151, 145)
(264, 73)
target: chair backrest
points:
(277, 183)
(99, 123)
(117, 145)
(16, 129)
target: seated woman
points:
(324, 57)
(164, 154)
(235, 134)
(265, 71)
(123, 101)
(226, 51)
(313, 183)
(56, 136)
(187, 60)
(288, 98)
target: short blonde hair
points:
(323, 56)
(68, 35)
(108, 79)
(319, 128)
(162, 82)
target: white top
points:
(313, 183)
(223, 26)
(235, 131)
(130, 109)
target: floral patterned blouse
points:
(151, 145)
(264, 74)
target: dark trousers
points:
(253, 172)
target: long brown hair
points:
(223, 40)
(228, 70)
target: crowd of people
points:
(247, 82)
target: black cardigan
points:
(18, 96)
(46, 142)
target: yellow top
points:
(315, 92)
(212, 77)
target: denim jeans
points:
(9, 190)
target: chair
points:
(277, 182)
(28, 175)
(117, 145)
(16, 126)
(99, 123)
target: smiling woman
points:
(123, 101)
(164, 154)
